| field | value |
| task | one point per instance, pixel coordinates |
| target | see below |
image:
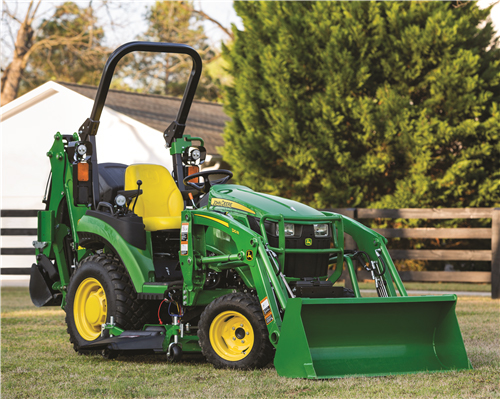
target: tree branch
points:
(7, 12)
(208, 18)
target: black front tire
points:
(221, 345)
(101, 284)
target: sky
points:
(495, 12)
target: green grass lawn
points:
(38, 362)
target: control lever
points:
(139, 192)
(190, 195)
(128, 196)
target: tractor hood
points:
(240, 198)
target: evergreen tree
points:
(387, 104)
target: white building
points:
(27, 128)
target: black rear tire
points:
(224, 343)
(110, 292)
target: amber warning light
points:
(192, 170)
(83, 171)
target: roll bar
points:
(89, 128)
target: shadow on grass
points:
(160, 358)
(188, 359)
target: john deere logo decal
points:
(249, 255)
(309, 242)
(230, 204)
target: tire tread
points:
(131, 313)
(265, 352)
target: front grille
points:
(300, 265)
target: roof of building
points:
(206, 120)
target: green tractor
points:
(147, 261)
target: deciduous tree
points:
(69, 48)
(12, 75)
(66, 46)
(173, 22)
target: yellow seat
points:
(160, 204)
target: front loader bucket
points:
(338, 337)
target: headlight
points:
(289, 229)
(82, 149)
(120, 200)
(321, 230)
(195, 154)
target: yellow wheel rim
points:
(90, 309)
(231, 335)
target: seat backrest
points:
(160, 195)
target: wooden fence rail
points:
(16, 259)
(432, 277)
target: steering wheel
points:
(207, 184)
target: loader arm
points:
(250, 255)
(374, 244)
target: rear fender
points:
(138, 262)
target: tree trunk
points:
(13, 73)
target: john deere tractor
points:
(147, 260)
